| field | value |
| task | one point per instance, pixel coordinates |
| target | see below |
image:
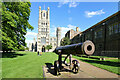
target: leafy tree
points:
(26, 48)
(15, 16)
(48, 47)
(66, 41)
(22, 48)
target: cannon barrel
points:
(86, 48)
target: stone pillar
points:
(48, 13)
(48, 28)
(58, 34)
(39, 13)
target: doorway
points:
(43, 48)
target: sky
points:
(69, 15)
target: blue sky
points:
(69, 15)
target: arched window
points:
(43, 40)
(44, 14)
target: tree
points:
(26, 48)
(22, 48)
(48, 47)
(66, 41)
(15, 16)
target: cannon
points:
(86, 48)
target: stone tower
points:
(43, 29)
(34, 44)
(58, 35)
(30, 46)
(77, 29)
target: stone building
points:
(30, 46)
(58, 34)
(43, 36)
(53, 42)
(33, 46)
(71, 33)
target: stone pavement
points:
(86, 71)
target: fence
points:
(110, 54)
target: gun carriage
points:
(86, 48)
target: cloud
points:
(62, 3)
(28, 41)
(71, 4)
(93, 13)
(31, 34)
(65, 29)
(29, 37)
(71, 26)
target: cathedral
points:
(43, 36)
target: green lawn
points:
(29, 64)
(98, 56)
(110, 65)
(25, 64)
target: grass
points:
(109, 65)
(29, 64)
(99, 56)
(103, 56)
(25, 64)
(67, 60)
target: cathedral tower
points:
(58, 34)
(43, 35)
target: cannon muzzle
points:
(86, 48)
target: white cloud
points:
(93, 13)
(29, 37)
(31, 34)
(28, 41)
(71, 4)
(62, 3)
(71, 26)
(65, 29)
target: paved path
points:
(95, 71)
(86, 71)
